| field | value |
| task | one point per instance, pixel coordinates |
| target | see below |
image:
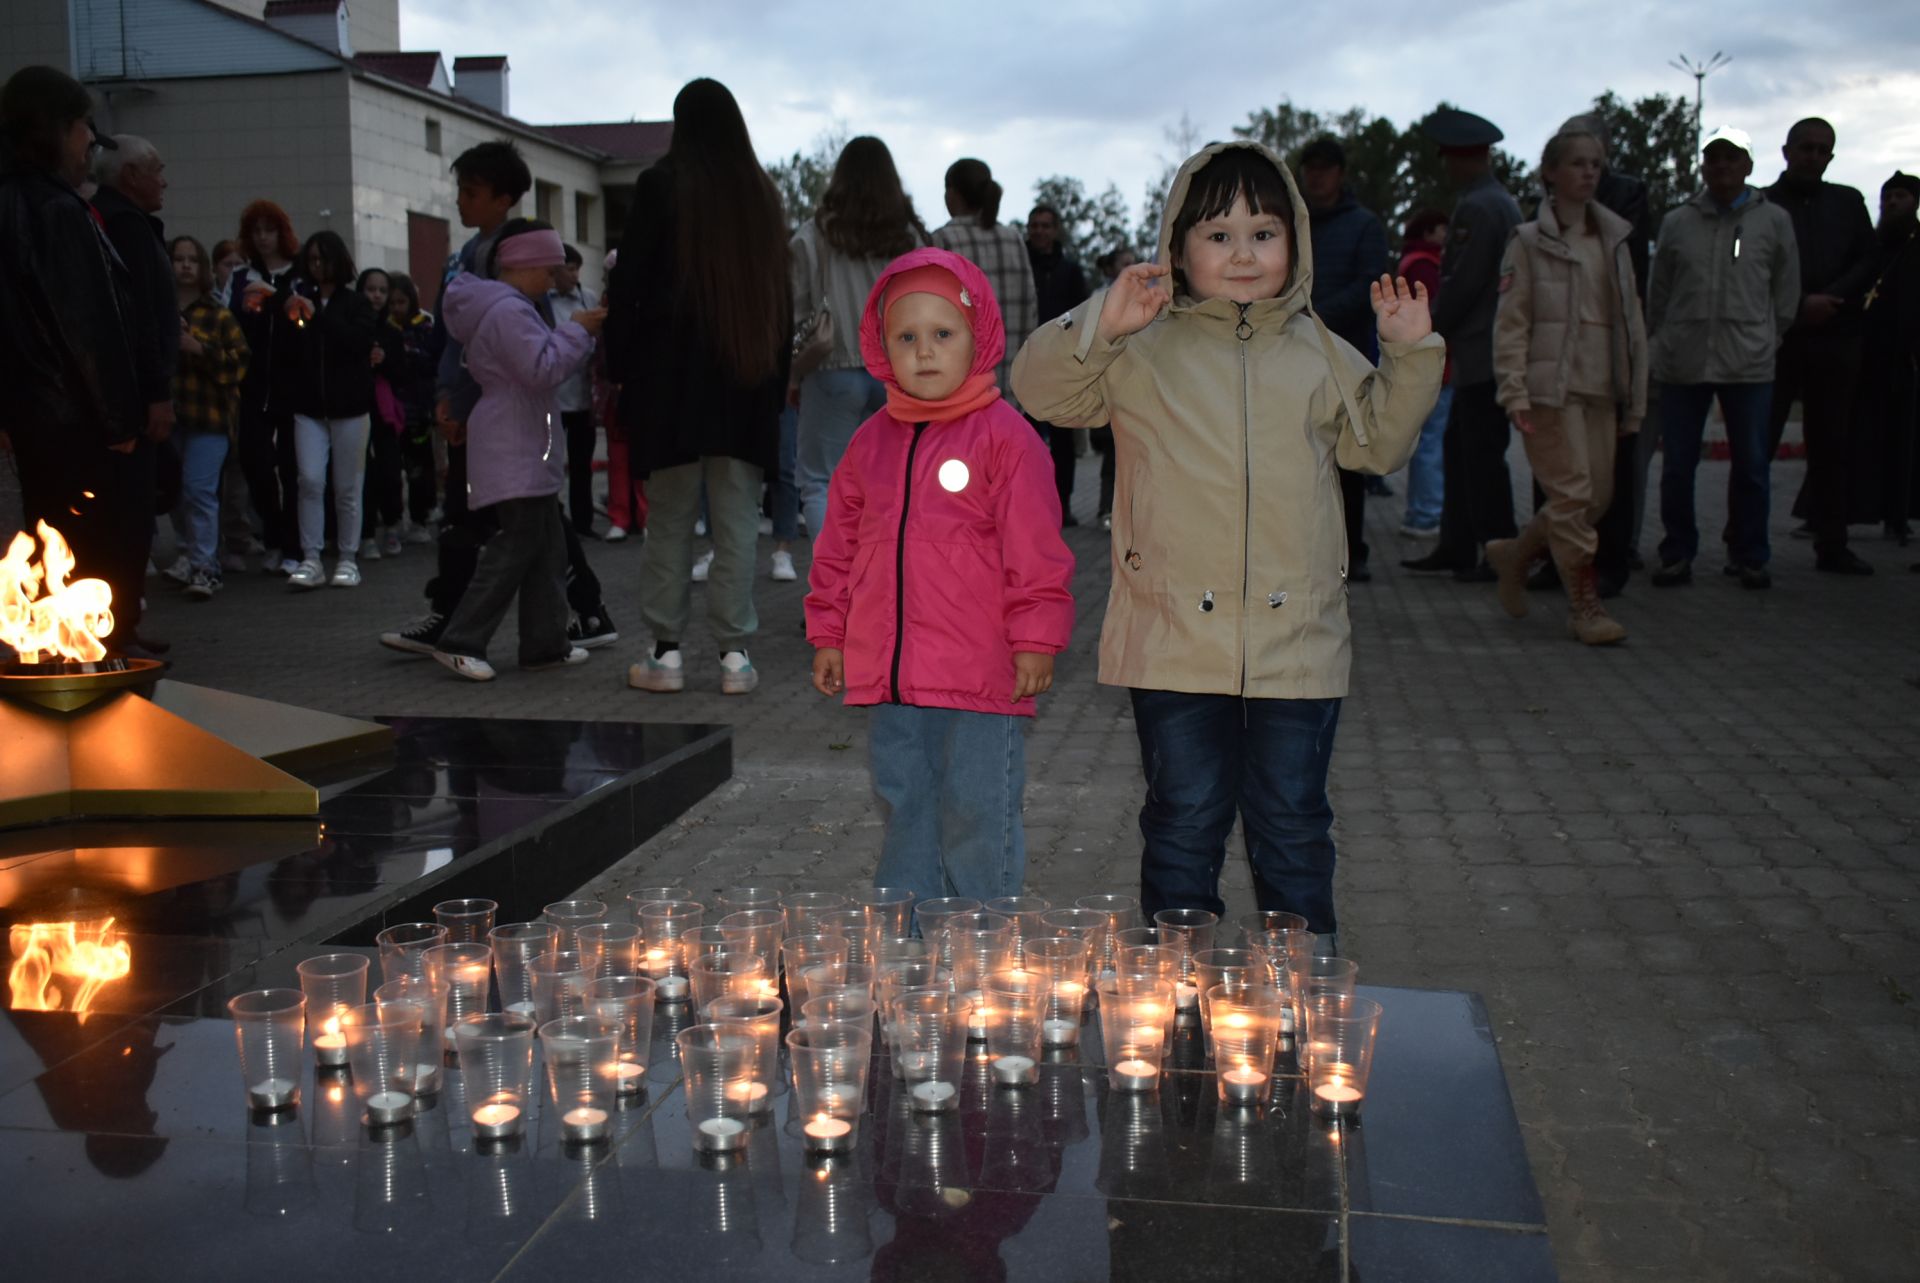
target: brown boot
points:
(1512, 559)
(1587, 619)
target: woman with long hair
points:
(266, 421)
(865, 220)
(698, 340)
(332, 400)
(206, 404)
(975, 232)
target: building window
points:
(433, 137)
(583, 218)
(546, 203)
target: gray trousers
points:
(733, 517)
(528, 557)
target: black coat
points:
(1627, 197)
(679, 401)
(1836, 242)
(330, 375)
(267, 383)
(1059, 285)
(154, 324)
(1349, 254)
(66, 359)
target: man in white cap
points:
(1725, 288)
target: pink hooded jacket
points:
(942, 554)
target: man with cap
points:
(1349, 253)
(1820, 359)
(1479, 494)
(1725, 286)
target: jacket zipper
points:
(1244, 332)
(900, 568)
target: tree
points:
(1090, 225)
(802, 177)
(1651, 139)
(1185, 140)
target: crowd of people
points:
(914, 397)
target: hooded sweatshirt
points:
(1229, 545)
(941, 554)
(515, 446)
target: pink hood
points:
(941, 554)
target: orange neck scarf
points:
(978, 391)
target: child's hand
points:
(829, 670)
(1032, 674)
(299, 309)
(591, 320)
(1400, 313)
(1133, 300)
(1523, 420)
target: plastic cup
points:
(760, 1018)
(1212, 967)
(1265, 920)
(742, 899)
(626, 1002)
(560, 983)
(466, 921)
(384, 1052)
(851, 1006)
(427, 1000)
(720, 974)
(640, 897)
(1083, 924)
(1134, 1029)
(1245, 1037)
(515, 946)
(1016, 1003)
(801, 907)
(830, 1064)
(334, 984)
(468, 968)
(859, 930)
(570, 915)
(703, 941)
(582, 1057)
(803, 955)
(718, 1064)
(269, 1028)
(1060, 964)
(888, 909)
(496, 1062)
(403, 948)
(928, 1032)
(1025, 912)
(1341, 1032)
(932, 917)
(616, 945)
(1120, 911)
(1190, 930)
(980, 944)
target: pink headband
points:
(531, 249)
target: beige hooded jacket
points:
(1229, 550)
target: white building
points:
(312, 103)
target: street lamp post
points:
(1699, 70)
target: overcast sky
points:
(1092, 90)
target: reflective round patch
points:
(954, 476)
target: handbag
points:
(813, 337)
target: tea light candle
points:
(1245, 1085)
(273, 1093)
(977, 1020)
(671, 988)
(1135, 1075)
(496, 1121)
(426, 1078)
(752, 1095)
(387, 1107)
(330, 1045)
(1286, 1020)
(585, 1123)
(1337, 1096)
(628, 1077)
(522, 1008)
(828, 1135)
(1059, 1033)
(1070, 990)
(718, 1135)
(1014, 1071)
(934, 1098)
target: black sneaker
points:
(1755, 578)
(1673, 574)
(1844, 562)
(419, 638)
(591, 631)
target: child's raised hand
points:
(1401, 313)
(1032, 674)
(829, 670)
(591, 320)
(1133, 300)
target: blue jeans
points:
(950, 783)
(786, 489)
(1426, 474)
(1206, 757)
(202, 455)
(832, 404)
(1683, 421)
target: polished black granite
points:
(142, 1129)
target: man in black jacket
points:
(1819, 361)
(77, 419)
(1059, 287)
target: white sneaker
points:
(418, 534)
(736, 673)
(615, 534)
(700, 528)
(574, 655)
(665, 674)
(474, 670)
(346, 574)
(181, 571)
(766, 525)
(702, 566)
(369, 550)
(308, 574)
(783, 567)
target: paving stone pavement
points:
(1684, 873)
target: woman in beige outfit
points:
(1570, 361)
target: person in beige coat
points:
(1570, 368)
(1232, 407)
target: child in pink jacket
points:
(940, 588)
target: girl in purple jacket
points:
(516, 452)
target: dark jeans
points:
(101, 502)
(1060, 446)
(1820, 371)
(385, 500)
(1353, 502)
(527, 559)
(1206, 757)
(462, 541)
(273, 478)
(580, 436)
(1478, 503)
(416, 457)
(1683, 421)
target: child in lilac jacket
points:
(516, 451)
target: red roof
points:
(295, 8)
(620, 139)
(482, 62)
(413, 68)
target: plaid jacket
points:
(1001, 253)
(206, 385)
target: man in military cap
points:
(1479, 493)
